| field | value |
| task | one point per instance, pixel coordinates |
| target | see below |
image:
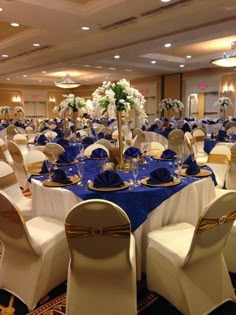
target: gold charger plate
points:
(174, 182)
(64, 164)
(107, 189)
(202, 173)
(51, 183)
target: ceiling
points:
(134, 29)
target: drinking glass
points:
(49, 167)
(134, 170)
(80, 171)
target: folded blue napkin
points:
(168, 154)
(62, 142)
(108, 178)
(132, 152)
(87, 141)
(186, 128)
(99, 153)
(65, 157)
(222, 134)
(44, 169)
(188, 161)
(233, 138)
(41, 140)
(59, 176)
(193, 169)
(160, 175)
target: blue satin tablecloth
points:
(137, 202)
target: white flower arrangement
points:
(223, 102)
(119, 96)
(168, 104)
(19, 109)
(70, 104)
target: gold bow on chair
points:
(219, 158)
(205, 224)
(122, 230)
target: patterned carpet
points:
(148, 303)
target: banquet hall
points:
(117, 157)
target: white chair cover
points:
(199, 135)
(88, 151)
(5, 155)
(102, 270)
(33, 161)
(230, 181)
(9, 184)
(35, 256)
(186, 265)
(176, 142)
(53, 150)
(22, 143)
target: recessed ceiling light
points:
(40, 81)
(188, 56)
(87, 66)
(181, 66)
(99, 67)
(117, 56)
(112, 68)
(4, 56)
(165, 0)
(153, 61)
(15, 24)
(128, 70)
(85, 28)
(24, 75)
(167, 45)
(0, 9)
(8, 79)
(44, 71)
(36, 45)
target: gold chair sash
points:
(219, 158)
(21, 141)
(122, 230)
(205, 224)
(8, 180)
(3, 147)
(233, 155)
(198, 138)
(34, 167)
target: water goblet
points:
(80, 170)
(135, 170)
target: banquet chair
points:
(137, 131)
(188, 140)
(50, 134)
(35, 256)
(10, 185)
(89, 149)
(30, 133)
(106, 143)
(5, 154)
(199, 135)
(22, 142)
(52, 151)
(230, 180)
(185, 264)
(82, 133)
(152, 148)
(102, 269)
(33, 162)
(176, 142)
(11, 131)
(18, 165)
(219, 161)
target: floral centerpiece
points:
(71, 104)
(19, 109)
(223, 102)
(6, 111)
(168, 104)
(178, 106)
(118, 99)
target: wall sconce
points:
(228, 88)
(16, 99)
(52, 99)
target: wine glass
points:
(80, 170)
(48, 164)
(135, 170)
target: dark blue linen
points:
(160, 175)
(41, 140)
(62, 142)
(222, 135)
(59, 176)
(168, 154)
(99, 153)
(87, 141)
(189, 160)
(44, 169)
(193, 169)
(108, 179)
(132, 152)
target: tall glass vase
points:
(120, 139)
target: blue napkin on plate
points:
(44, 169)
(59, 176)
(62, 142)
(65, 157)
(193, 169)
(222, 135)
(132, 152)
(108, 178)
(168, 154)
(99, 153)
(87, 141)
(41, 140)
(188, 161)
(160, 175)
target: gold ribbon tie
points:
(205, 224)
(219, 158)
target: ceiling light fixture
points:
(0, 9)
(15, 24)
(85, 28)
(117, 56)
(228, 59)
(167, 45)
(36, 45)
(5, 56)
(181, 66)
(153, 61)
(67, 83)
(188, 56)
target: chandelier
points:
(67, 83)
(228, 59)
